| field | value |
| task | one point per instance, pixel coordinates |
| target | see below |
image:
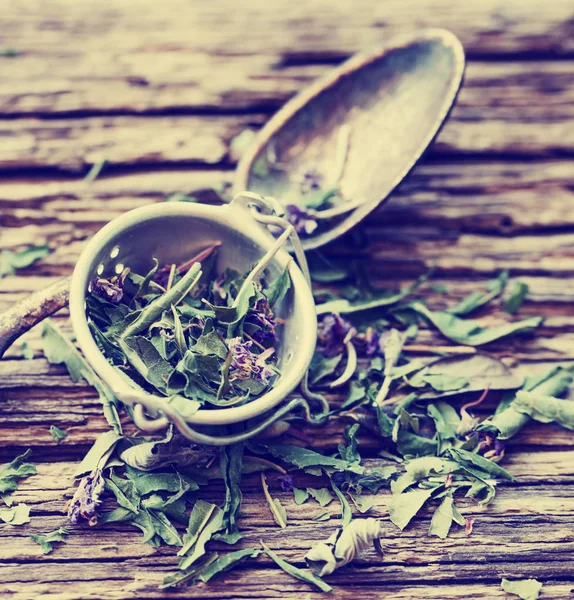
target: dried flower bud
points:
(343, 546)
(332, 333)
(86, 499)
(246, 364)
(303, 220)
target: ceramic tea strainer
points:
(391, 104)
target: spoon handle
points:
(30, 311)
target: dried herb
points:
(17, 515)
(190, 334)
(304, 458)
(516, 298)
(11, 261)
(57, 433)
(545, 409)
(27, 351)
(18, 469)
(526, 589)
(470, 332)
(322, 495)
(59, 349)
(477, 299)
(48, 540)
(230, 464)
(277, 510)
(343, 546)
(296, 572)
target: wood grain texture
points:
(158, 91)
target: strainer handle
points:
(153, 425)
(270, 212)
(30, 311)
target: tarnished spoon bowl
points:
(391, 103)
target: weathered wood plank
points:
(496, 197)
(106, 66)
(513, 102)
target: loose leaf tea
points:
(206, 338)
(48, 540)
(526, 589)
(202, 338)
(11, 261)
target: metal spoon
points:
(363, 125)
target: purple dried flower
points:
(331, 333)
(218, 286)
(262, 317)
(161, 276)
(369, 341)
(489, 446)
(308, 180)
(286, 482)
(87, 498)
(111, 290)
(245, 364)
(303, 221)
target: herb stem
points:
(350, 368)
(264, 461)
(262, 264)
(425, 349)
(173, 297)
(260, 346)
(170, 278)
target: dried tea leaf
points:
(343, 306)
(442, 518)
(471, 459)
(48, 540)
(301, 496)
(59, 349)
(226, 562)
(343, 546)
(230, 464)
(508, 421)
(296, 572)
(417, 469)
(348, 450)
(57, 433)
(18, 469)
(27, 351)
(190, 574)
(11, 261)
(481, 371)
(324, 367)
(403, 507)
(322, 495)
(203, 524)
(469, 332)
(324, 516)
(278, 288)
(346, 512)
(17, 515)
(545, 409)
(516, 299)
(526, 589)
(277, 510)
(99, 453)
(477, 299)
(362, 503)
(304, 458)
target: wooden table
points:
(158, 89)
